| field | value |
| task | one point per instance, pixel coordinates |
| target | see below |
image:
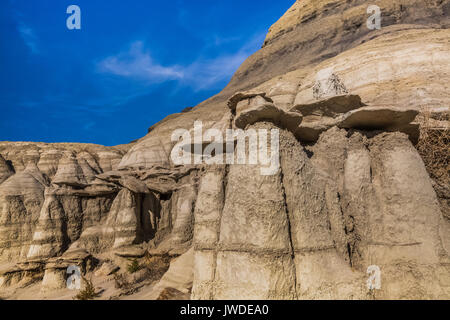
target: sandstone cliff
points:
(351, 190)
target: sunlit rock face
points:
(349, 191)
(21, 197)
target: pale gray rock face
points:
(351, 191)
(254, 251)
(21, 197)
(311, 231)
(372, 178)
(39, 221)
(49, 236)
(69, 172)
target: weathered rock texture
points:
(351, 190)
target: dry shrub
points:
(121, 282)
(157, 266)
(434, 145)
(88, 292)
(434, 148)
(134, 266)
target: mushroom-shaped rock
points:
(378, 117)
(242, 96)
(33, 170)
(258, 108)
(29, 181)
(348, 112)
(269, 112)
(56, 269)
(69, 172)
(382, 118)
(31, 155)
(48, 161)
(330, 107)
(322, 115)
(124, 223)
(49, 237)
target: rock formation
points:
(351, 190)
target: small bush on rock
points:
(134, 266)
(156, 265)
(88, 292)
(434, 149)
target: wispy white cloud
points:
(29, 37)
(210, 72)
(137, 63)
(202, 74)
(207, 73)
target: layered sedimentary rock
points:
(43, 206)
(21, 198)
(5, 170)
(349, 190)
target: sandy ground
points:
(104, 285)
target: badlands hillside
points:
(363, 178)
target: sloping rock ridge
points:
(350, 191)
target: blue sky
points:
(131, 64)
